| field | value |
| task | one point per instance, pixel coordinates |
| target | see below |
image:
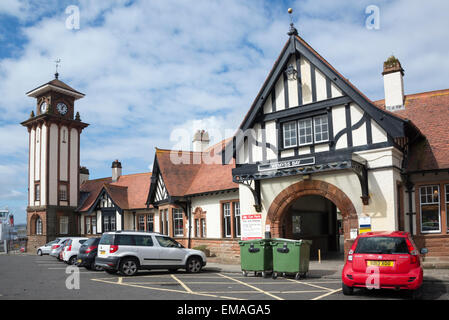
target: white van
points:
(130, 251)
(70, 252)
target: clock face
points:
(62, 108)
(43, 107)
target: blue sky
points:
(149, 67)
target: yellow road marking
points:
(182, 284)
(327, 294)
(120, 280)
(252, 287)
(310, 284)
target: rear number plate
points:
(102, 252)
(380, 263)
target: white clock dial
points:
(62, 108)
(43, 107)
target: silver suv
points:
(129, 251)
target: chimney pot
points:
(393, 84)
(116, 170)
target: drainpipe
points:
(189, 208)
(409, 186)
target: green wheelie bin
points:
(290, 257)
(256, 256)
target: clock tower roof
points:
(55, 85)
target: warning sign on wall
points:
(251, 226)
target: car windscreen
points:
(382, 245)
(107, 239)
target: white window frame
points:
(177, 216)
(150, 221)
(203, 227)
(227, 232)
(421, 203)
(310, 121)
(39, 226)
(237, 224)
(295, 134)
(321, 126)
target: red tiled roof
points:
(196, 176)
(128, 192)
(429, 112)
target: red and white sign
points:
(251, 226)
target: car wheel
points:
(39, 252)
(72, 260)
(129, 267)
(194, 265)
(347, 291)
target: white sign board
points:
(251, 226)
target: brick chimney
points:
(116, 170)
(200, 141)
(393, 84)
(84, 175)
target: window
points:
(64, 225)
(141, 225)
(167, 242)
(382, 245)
(290, 135)
(305, 131)
(310, 130)
(237, 218)
(90, 225)
(39, 226)
(62, 192)
(321, 128)
(447, 205)
(150, 223)
(109, 223)
(203, 228)
(178, 222)
(162, 219)
(37, 192)
(197, 228)
(143, 241)
(227, 219)
(430, 209)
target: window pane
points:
(178, 222)
(321, 128)
(227, 219)
(290, 134)
(305, 131)
(237, 218)
(150, 223)
(203, 228)
(143, 241)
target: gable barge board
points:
(392, 125)
(268, 88)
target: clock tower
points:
(54, 163)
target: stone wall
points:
(222, 250)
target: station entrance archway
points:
(308, 210)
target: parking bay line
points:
(252, 287)
(311, 284)
(169, 290)
(327, 294)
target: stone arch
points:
(33, 220)
(280, 205)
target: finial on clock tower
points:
(58, 61)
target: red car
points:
(383, 260)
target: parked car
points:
(128, 252)
(88, 253)
(46, 248)
(383, 260)
(57, 247)
(71, 249)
